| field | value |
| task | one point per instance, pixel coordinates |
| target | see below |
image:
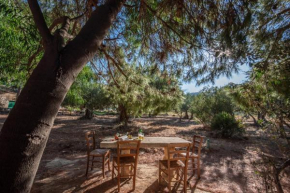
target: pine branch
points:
(169, 27)
(118, 66)
(117, 85)
(278, 14)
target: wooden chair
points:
(127, 156)
(92, 152)
(175, 162)
(195, 154)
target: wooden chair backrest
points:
(90, 139)
(197, 144)
(131, 146)
(175, 151)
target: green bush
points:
(226, 125)
(210, 102)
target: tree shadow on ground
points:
(154, 187)
(108, 186)
(167, 121)
(196, 131)
(227, 159)
(103, 120)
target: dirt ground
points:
(226, 167)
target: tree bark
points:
(186, 115)
(254, 119)
(88, 114)
(277, 171)
(191, 116)
(26, 130)
(123, 117)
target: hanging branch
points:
(99, 72)
(278, 14)
(168, 26)
(116, 83)
(118, 66)
(63, 19)
(33, 56)
(114, 62)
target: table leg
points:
(166, 153)
(173, 173)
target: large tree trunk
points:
(191, 116)
(123, 117)
(186, 115)
(89, 114)
(26, 130)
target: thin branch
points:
(278, 14)
(281, 30)
(79, 16)
(63, 19)
(118, 66)
(57, 21)
(116, 38)
(39, 21)
(129, 6)
(283, 166)
(166, 24)
(33, 56)
(114, 62)
(95, 67)
(111, 39)
(117, 85)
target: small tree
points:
(185, 107)
(88, 93)
(143, 92)
(210, 102)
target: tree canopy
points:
(193, 40)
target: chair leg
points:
(134, 177)
(169, 180)
(193, 166)
(88, 162)
(113, 170)
(198, 168)
(159, 173)
(118, 178)
(185, 180)
(109, 162)
(103, 166)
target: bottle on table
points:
(140, 134)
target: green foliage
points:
(18, 41)
(211, 102)
(226, 125)
(86, 92)
(143, 91)
(186, 103)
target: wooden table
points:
(148, 142)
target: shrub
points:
(226, 125)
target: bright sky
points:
(222, 81)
